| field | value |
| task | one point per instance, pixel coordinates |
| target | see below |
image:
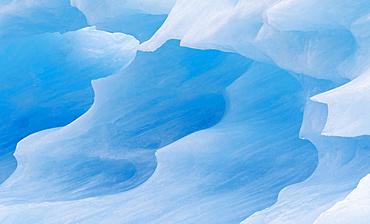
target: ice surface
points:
(46, 81)
(342, 163)
(99, 9)
(218, 175)
(19, 18)
(157, 100)
(349, 107)
(302, 37)
(339, 169)
(275, 131)
(321, 39)
(354, 209)
(140, 18)
(246, 28)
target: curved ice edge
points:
(40, 134)
(93, 28)
(353, 209)
(45, 135)
(151, 46)
(23, 144)
(64, 47)
(51, 130)
(348, 108)
(143, 184)
(156, 41)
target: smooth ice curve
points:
(186, 131)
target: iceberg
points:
(184, 111)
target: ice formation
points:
(45, 81)
(258, 112)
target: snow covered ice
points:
(185, 111)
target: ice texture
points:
(155, 101)
(140, 18)
(322, 39)
(46, 81)
(353, 209)
(19, 18)
(218, 175)
(349, 107)
(257, 113)
(291, 34)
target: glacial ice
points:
(303, 38)
(246, 28)
(140, 18)
(348, 108)
(46, 83)
(130, 126)
(189, 177)
(353, 209)
(19, 18)
(258, 111)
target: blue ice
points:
(186, 111)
